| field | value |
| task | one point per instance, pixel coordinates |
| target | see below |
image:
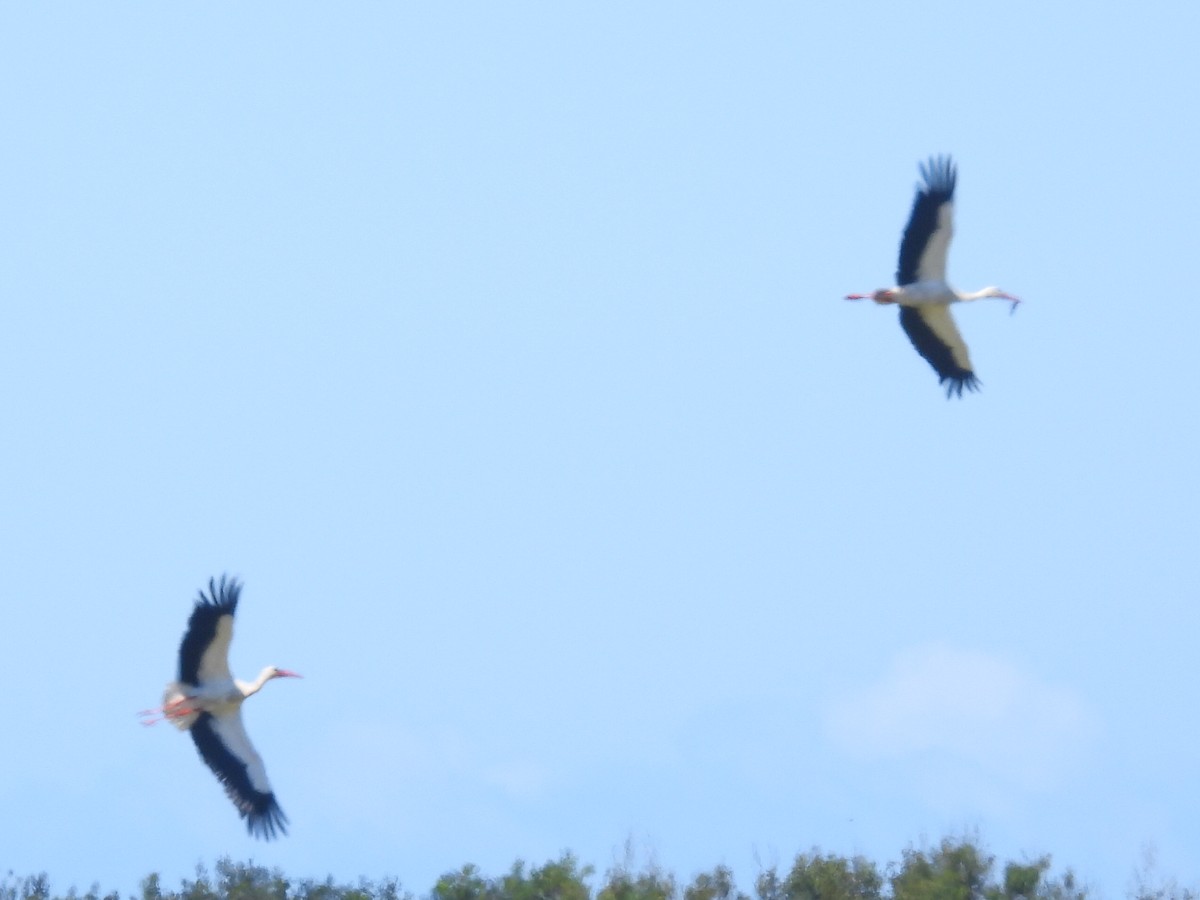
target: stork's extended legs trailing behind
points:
(207, 702)
(922, 293)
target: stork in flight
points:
(922, 293)
(207, 702)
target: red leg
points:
(176, 709)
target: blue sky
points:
(500, 350)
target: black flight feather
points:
(939, 175)
(936, 353)
(221, 600)
(261, 811)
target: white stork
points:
(922, 293)
(207, 701)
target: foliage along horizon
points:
(956, 869)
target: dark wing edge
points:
(221, 600)
(940, 176)
(937, 354)
(264, 818)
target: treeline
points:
(954, 870)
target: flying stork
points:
(922, 293)
(207, 702)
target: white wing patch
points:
(229, 728)
(214, 664)
(932, 266)
(941, 323)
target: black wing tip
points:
(956, 383)
(940, 175)
(222, 596)
(265, 819)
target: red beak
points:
(284, 673)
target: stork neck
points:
(256, 685)
(983, 294)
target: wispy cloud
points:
(977, 712)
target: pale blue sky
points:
(499, 348)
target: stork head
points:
(994, 292)
(276, 672)
(989, 292)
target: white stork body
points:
(922, 293)
(207, 700)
